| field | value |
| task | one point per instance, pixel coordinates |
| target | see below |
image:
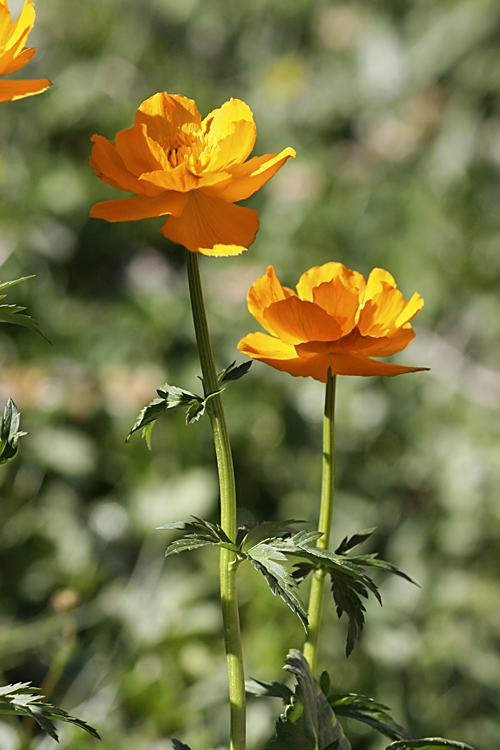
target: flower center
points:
(189, 148)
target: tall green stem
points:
(324, 524)
(229, 601)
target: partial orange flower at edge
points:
(336, 320)
(194, 171)
(14, 55)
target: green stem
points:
(229, 600)
(324, 524)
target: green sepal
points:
(428, 743)
(366, 710)
(22, 699)
(308, 722)
(14, 313)
(9, 432)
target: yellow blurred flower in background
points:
(336, 319)
(192, 170)
(13, 53)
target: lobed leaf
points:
(269, 561)
(14, 313)
(349, 543)
(22, 699)
(349, 581)
(428, 743)
(200, 534)
(268, 689)
(234, 372)
(308, 722)
(253, 533)
(9, 432)
(365, 709)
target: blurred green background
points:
(394, 110)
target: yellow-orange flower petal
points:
(338, 321)
(249, 177)
(263, 293)
(13, 53)
(296, 321)
(140, 207)
(231, 134)
(211, 226)
(170, 150)
(166, 116)
(321, 274)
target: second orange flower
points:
(191, 170)
(336, 320)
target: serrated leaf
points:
(349, 543)
(349, 582)
(268, 561)
(372, 561)
(9, 432)
(253, 533)
(146, 433)
(324, 682)
(22, 699)
(148, 415)
(175, 396)
(269, 690)
(201, 533)
(195, 410)
(14, 313)
(7, 284)
(365, 709)
(428, 743)
(308, 722)
(170, 397)
(234, 372)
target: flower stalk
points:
(324, 525)
(229, 601)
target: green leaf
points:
(200, 534)
(253, 533)
(14, 313)
(365, 709)
(269, 562)
(268, 690)
(175, 396)
(308, 722)
(349, 543)
(177, 745)
(23, 699)
(9, 432)
(195, 410)
(234, 372)
(170, 397)
(349, 582)
(428, 743)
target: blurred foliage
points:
(394, 110)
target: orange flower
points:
(190, 169)
(13, 53)
(336, 319)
